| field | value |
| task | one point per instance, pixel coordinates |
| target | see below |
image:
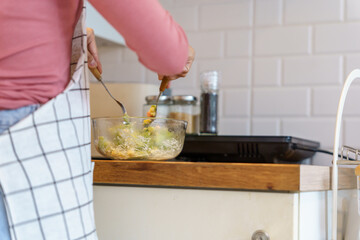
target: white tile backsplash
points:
(236, 103)
(111, 55)
(325, 101)
(317, 129)
(352, 132)
(226, 15)
(352, 10)
(265, 126)
(267, 71)
(207, 44)
(196, 2)
(238, 43)
(312, 70)
(352, 107)
(167, 3)
(339, 37)
(233, 126)
(187, 17)
(281, 102)
(351, 62)
(123, 72)
(282, 40)
(188, 82)
(309, 11)
(235, 72)
(283, 63)
(268, 12)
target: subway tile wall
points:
(283, 64)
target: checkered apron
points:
(45, 163)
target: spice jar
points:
(209, 101)
(185, 108)
(163, 107)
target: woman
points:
(45, 168)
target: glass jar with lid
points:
(185, 108)
(163, 108)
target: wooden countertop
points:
(236, 176)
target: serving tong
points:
(165, 81)
(97, 75)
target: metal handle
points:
(260, 235)
(97, 74)
(164, 82)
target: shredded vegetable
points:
(125, 141)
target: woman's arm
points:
(150, 31)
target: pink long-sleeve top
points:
(35, 43)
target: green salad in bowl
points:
(138, 138)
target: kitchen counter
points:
(234, 176)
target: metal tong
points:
(97, 75)
(162, 88)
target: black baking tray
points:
(247, 149)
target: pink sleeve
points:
(150, 31)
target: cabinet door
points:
(133, 213)
(102, 28)
(315, 211)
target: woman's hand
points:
(190, 60)
(93, 57)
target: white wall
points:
(283, 63)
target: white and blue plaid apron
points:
(45, 162)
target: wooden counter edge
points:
(240, 176)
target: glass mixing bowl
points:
(131, 138)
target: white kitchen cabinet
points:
(103, 29)
(146, 213)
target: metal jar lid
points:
(184, 99)
(162, 99)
